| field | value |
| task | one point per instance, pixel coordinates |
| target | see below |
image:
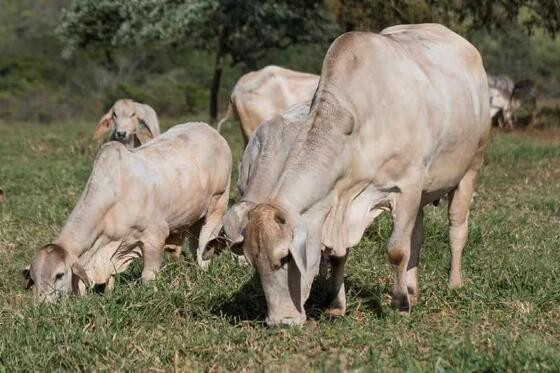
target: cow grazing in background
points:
(130, 123)
(135, 203)
(360, 152)
(259, 95)
(502, 101)
(2, 197)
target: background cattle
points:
(129, 122)
(259, 95)
(506, 97)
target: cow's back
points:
(408, 106)
(419, 92)
(261, 94)
(458, 113)
(183, 169)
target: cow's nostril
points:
(120, 135)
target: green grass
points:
(506, 318)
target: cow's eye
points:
(114, 114)
(59, 276)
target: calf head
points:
(50, 274)
(275, 246)
(126, 123)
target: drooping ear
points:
(79, 271)
(143, 132)
(248, 161)
(298, 249)
(105, 125)
(27, 280)
(234, 222)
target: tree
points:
(238, 32)
(461, 15)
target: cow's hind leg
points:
(458, 212)
(211, 228)
(412, 269)
(405, 210)
(336, 291)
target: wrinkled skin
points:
(361, 152)
(130, 123)
(262, 94)
(137, 203)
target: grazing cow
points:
(130, 123)
(2, 197)
(136, 202)
(399, 120)
(502, 101)
(261, 94)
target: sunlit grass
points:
(507, 317)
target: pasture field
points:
(506, 318)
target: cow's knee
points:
(397, 254)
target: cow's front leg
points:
(152, 251)
(412, 269)
(405, 210)
(336, 291)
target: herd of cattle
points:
(396, 121)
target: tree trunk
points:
(215, 88)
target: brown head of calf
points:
(269, 247)
(50, 274)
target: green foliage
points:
(521, 56)
(375, 15)
(241, 31)
(164, 53)
(461, 15)
(244, 31)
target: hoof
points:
(203, 264)
(413, 296)
(401, 303)
(148, 276)
(335, 313)
(456, 284)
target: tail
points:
(229, 112)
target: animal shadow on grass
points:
(249, 303)
(370, 296)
